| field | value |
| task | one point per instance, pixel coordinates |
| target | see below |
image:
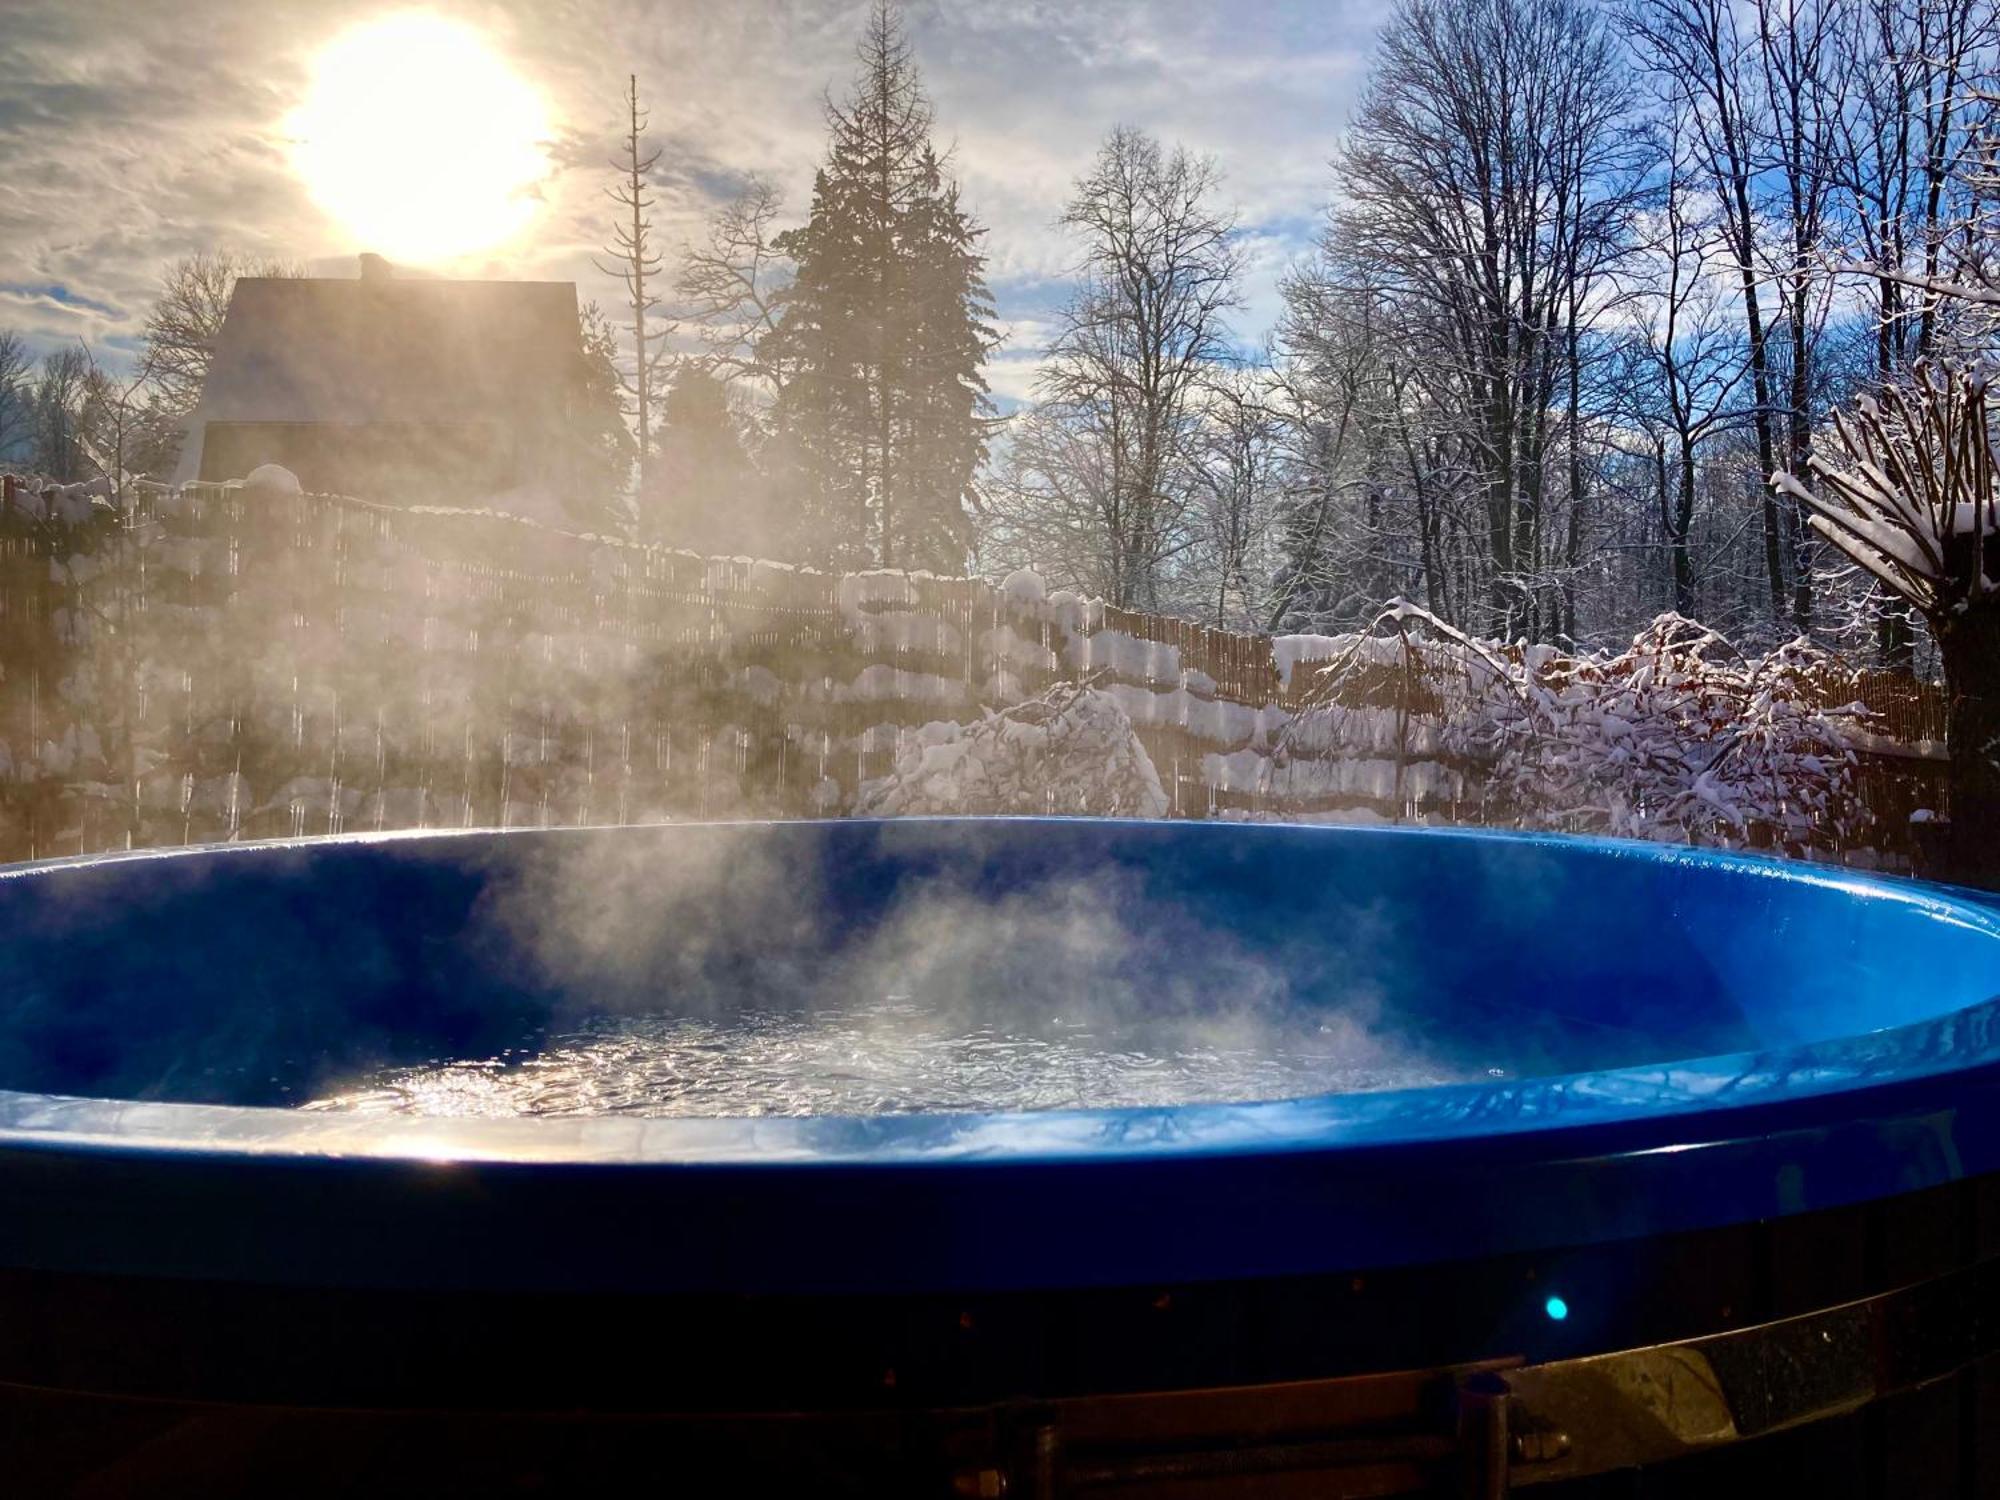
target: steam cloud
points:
(1067, 983)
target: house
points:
(407, 390)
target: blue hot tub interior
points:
(262, 976)
(1635, 1041)
(1729, 1090)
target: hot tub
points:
(1637, 1156)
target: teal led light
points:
(1556, 1308)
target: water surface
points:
(893, 1057)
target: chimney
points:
(374, 268)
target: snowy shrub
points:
(1071, 750)
(1679, 737)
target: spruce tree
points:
(706, 496)
(819, 454)
(602, 443)
(946, 407)
(881, 425)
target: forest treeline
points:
(1592, 272)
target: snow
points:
(1065, 610)
(1124, 655)
(881, 683)
(1371, 778)
(759, 684)
(1004, 643)
(1905, 482)
(764, 573)
(1022, 588)
(1216, 720)
(858, 592)
(1675, 737)
(74, 504)
(1869, 743)
(906, 630)
(1336, 728)
(1288, 651)
(1323, 656)
(272, 479)
(1071, 751)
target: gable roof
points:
(385, 349)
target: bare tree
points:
(16, 409)
(1908, 133)
(1698, 43)
(181, 328)
(637, 264)
(1485, 183)
(732, 287)
(1690, 372)
(58, 398)
(1904, 142)
(1802, 87)
(116, 429)
(1238, 456)
(1349, 407)
(1106, 456)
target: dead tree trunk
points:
(1969, 644)
(1910, 490)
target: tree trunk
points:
(1895, 617)
(1799, 444)
(1970, 646)
(1896, 635)
(1743, 242)
(1573, 542)
(1683, 524)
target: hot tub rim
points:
(96, 1184)
(1521, 1113)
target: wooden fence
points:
(215, 663)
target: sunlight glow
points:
(420, 141)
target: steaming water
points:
(894, 1057)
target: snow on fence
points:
(220, 662)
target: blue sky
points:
(132, 133)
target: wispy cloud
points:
(134, 134)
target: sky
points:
(133, 132)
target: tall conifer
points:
(881, 426)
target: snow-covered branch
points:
(1906, 489)
(1680, 737)
(1938, 286)
(1071, 750)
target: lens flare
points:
(420, 141)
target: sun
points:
(419, 140)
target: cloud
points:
(131, 135)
